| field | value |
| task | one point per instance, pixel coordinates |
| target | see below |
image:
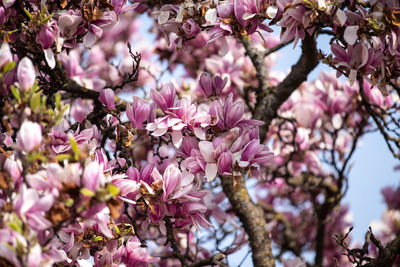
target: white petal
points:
(337, 121)
(163, 17)
(352, 76)
(207, 151)
(89, 39)
(272, 11)
(49, 55)
(159, 131)
(200, 133)
(247, 15)
(340, 17)
(211, 15)
(243, 164)
(8, 3)
(224, 46)
(322, 4)
(151, 126)
(350, 34)
(177, 138)
(211, 171)
(364, 55)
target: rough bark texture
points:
(253, 220)
(388, 255)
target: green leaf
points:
(69, 202)
(75, 148)
(9, 66)
(117, 230)
(62, 157)
(113, 189)
(80, 209)
(16, 224)
(15, 93)
(15, 227)
(58, 101)
(34, 102)
(98, 238)
(28, 14)
(87, 192)
(47, 19)
(128, 230)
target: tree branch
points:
(213, 260)
(270, 99)
(387, 255)
(253, 220)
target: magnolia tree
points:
(106, 159)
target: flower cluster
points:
(103, 160)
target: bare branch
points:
(214, 260)
(270, 99)
(276, 48)
(387, 255)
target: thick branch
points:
(79, 91)
(214, 260)
(387, 255)
(170, 238)
(253, 220)
(270, 99)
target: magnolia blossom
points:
(5, 55)
(107, 97)
(29, 136)
(137, 112)
(26, 74)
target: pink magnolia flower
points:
(68, 23)
(176, 184)
(5, 55)
(9, 240)
(30, 206)
(29, 136)
(93, 176)
(212, 86)
(166, 98)
(391, 197)
(60, 139)
(225, 162)
(208, 153)
(13, 167)
(3, 17)
(137, 112)
(8, 3)
(45, 37)
(107, 97)
(190, 28)
(92, 36)
(161, 125)
(26, 74)
(136, 255)
(230, 114)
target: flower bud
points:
(45, 37)
(137, 112)
(205, 84)
(107, 97)
(26, 74)
(5, 55)
(29, 136)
